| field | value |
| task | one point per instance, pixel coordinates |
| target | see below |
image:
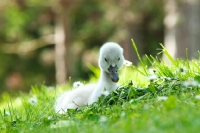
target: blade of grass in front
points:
(134, 67)
(168, 55)
(187, 60)
(161, 67)
(138, 55)
(149, 59)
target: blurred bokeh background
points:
(46, 42)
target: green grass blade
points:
(168, 55)
(138, 55)
(134, 67)
(149, 59)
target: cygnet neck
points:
(106, 82)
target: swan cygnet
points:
(111, 59)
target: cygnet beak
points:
(113, 71)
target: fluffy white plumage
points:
(111, 59)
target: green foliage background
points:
(91, 24)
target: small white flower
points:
(50, 118)
(123, 114)
(77, 84)
(127, 63)
(33, 100)
(166, 78)
(103, 119)
(51, 88)
(7, 113)
(162, 98)
(152, 77)
(153, 71)
(146, 106)
(197, 97)
(182, 70)
(190, 82)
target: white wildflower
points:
(190, 82)
(197, 97)
(153, 71)
(50, 118)
(103, 119)
(168, 78)
(182, 70)
(127, 63)
(77, 84)
(162, 98)
(164, 78)
(146, 106)
(152, 77)
(51, 88)
(7, 113)
(123, 114)
(33, 100)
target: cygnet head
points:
(111, 59)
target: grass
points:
(155, 98)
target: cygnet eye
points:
(106, 60)
(118, 59)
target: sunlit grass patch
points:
(151, 98)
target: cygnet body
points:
(111, 59)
